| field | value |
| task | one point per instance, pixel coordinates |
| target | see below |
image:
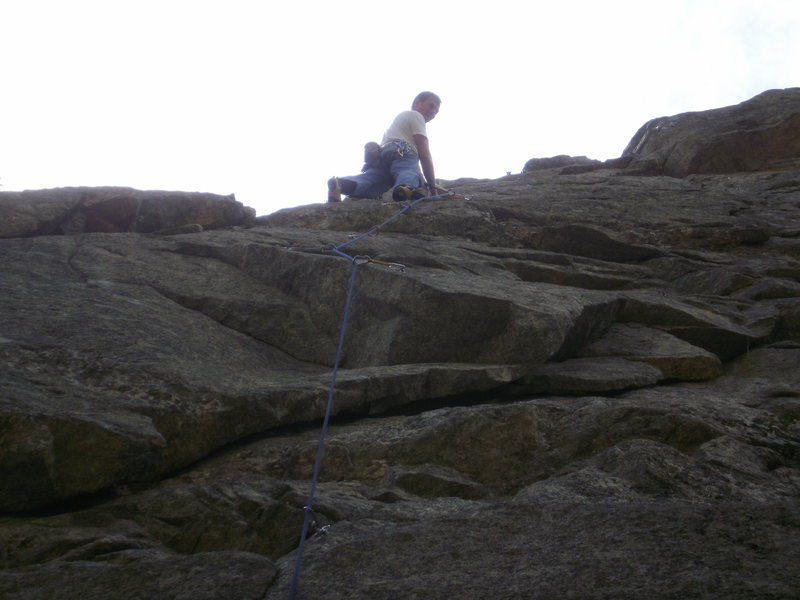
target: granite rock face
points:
(756, 135)
(78, 210)
(572, 382)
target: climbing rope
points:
(356, 261)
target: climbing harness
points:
(310, 520)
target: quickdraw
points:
(309, 521)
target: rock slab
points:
(576, 382)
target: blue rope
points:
(355, 261)
(377, 228)
(308, 508)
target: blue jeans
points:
(399, 166)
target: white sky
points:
(268, 99)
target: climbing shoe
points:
(334, 190)
(401, 193)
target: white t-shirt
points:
(405, 126)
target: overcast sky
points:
(267, 99)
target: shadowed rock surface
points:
(581, 383)
(78, 210)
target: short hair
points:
(422, 96)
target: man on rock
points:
(395, 163)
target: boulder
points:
(762, 133)
(567, 165)
(68, 211)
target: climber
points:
(395, 163)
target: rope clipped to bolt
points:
(356, 261)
